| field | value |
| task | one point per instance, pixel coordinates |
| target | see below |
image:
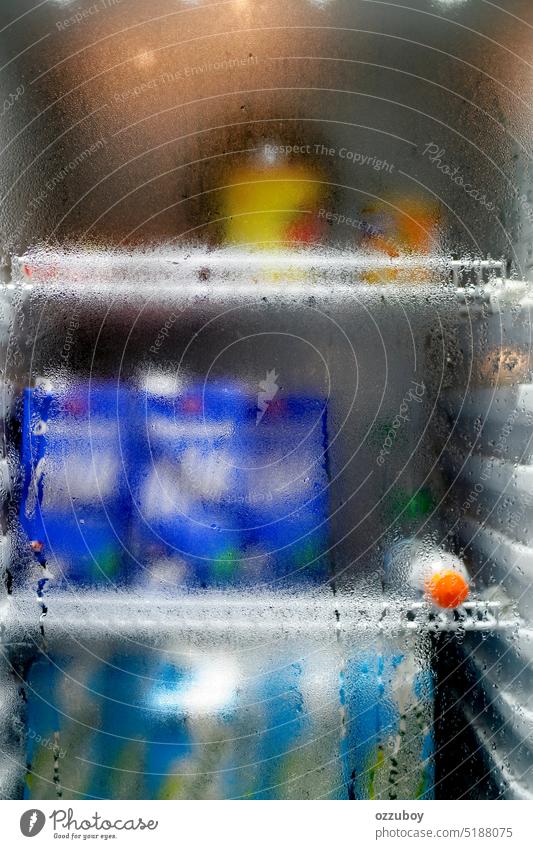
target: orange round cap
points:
(447, 588)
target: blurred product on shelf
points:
(285, 512)
(218, 725)
(184, 467)
(272, 203)
(75, 504)
(396, 229)
(419, 568)
(201, 485)
(388, 739)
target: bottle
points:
(417, 567)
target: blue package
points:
(286, 503)
(75, 502)
(388, 744)
(186, 482)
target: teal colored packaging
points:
(387, 746)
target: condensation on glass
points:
(266, 400)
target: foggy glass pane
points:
(266, 400)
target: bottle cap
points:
(447, 588)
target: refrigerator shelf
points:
(202, 617)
